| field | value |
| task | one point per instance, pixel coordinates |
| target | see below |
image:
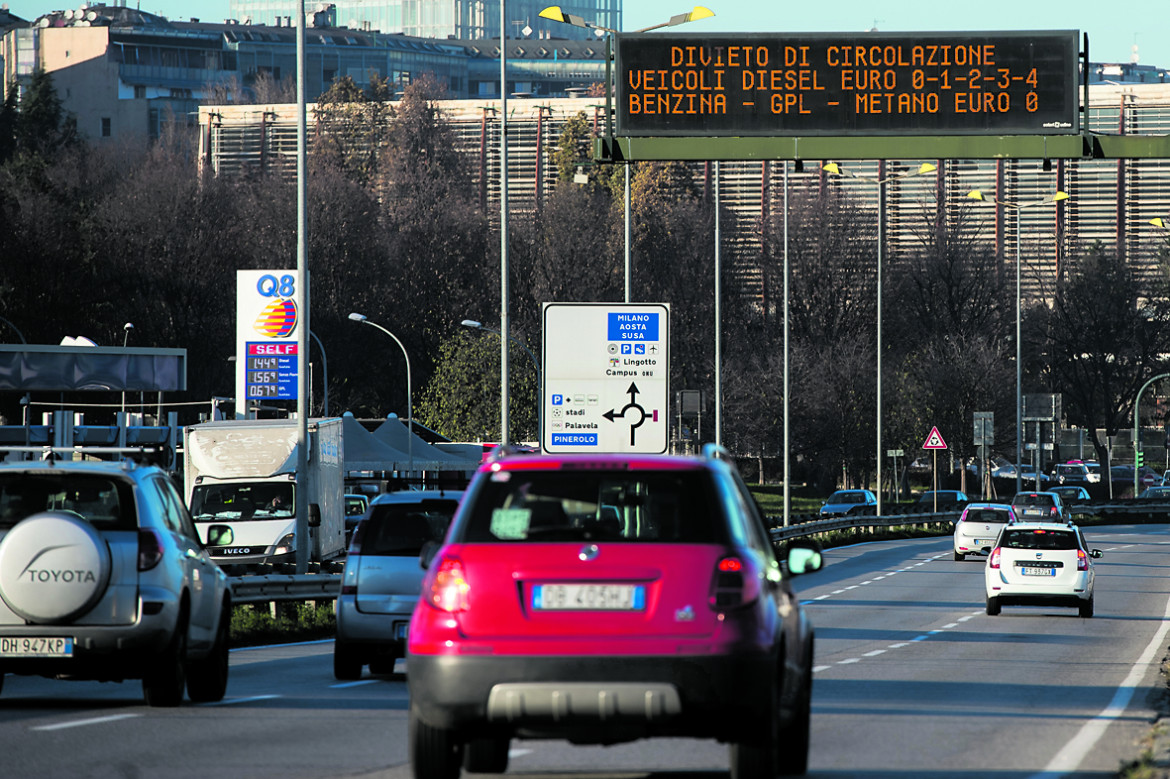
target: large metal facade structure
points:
(1111, 201)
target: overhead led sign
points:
(972, 83)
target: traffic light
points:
(1138, 458)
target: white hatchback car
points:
(1040, 564)
(979, 526)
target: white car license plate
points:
(1038, 572)
(30, 646)
(589, 597)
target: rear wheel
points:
(757, 759)
(1086, 608)
(207, 678)
(434, 752)
(347, 664)
(992, 605)
(960, 556)
(486, 755)
(792, 752)
(164, 683)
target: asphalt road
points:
(912, 681)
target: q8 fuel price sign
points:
(972, 83)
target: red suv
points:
(600, 599)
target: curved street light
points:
(15, 329)
(834, 169)
(409, 410)
(474, 325)
(1056, 197)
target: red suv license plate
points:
(36, 647)
(588, 597)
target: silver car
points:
(102, 577)
(383, 577)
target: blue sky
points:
(1113, 27)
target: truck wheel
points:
(486, 755)
(347, 665)
(165, 681)
(207, 678)
(434, 752)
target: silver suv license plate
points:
(30, 646)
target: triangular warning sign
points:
(934, 440)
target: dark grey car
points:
(382, 578)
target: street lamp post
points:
(835, 169)
(474, 325)
(1137, 405)
(126, 328)
(1058, 196)
(409, 409)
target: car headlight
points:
(285, 545)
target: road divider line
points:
(360, 683)
(1070, 757)
(233, 701)
(82, 722)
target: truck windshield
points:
(243, 501)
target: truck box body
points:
(242, 486)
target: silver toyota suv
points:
(102, 577)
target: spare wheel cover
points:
(53, 568)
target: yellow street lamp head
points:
(699, 12)
(976, 194)
(925, 168)
(1059, 196)
(1158, 222)
(832, 168)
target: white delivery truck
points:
(243, 489)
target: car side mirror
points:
(804, 556)
(1096, 554)
(314, 515)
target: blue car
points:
(848, 502)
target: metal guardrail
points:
(325, 586)
(1125, 509)
(276, 587)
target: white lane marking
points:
(868, 581)
(899, 645)
(1069, 758)
(519, 752)
(875, 653)
(233, 701)
(966, 617)
(343, 685)
(818, 668)
(822, 597)
(82, 722)
(849, 661)
(951, 625)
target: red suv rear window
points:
(638, 506)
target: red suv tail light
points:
(446, 585)
(150, 549)
(733, 584)
(1082, 560)
(993, 562)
